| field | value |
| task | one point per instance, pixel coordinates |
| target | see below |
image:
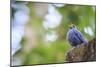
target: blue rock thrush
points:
(75, 37)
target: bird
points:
(74, 36)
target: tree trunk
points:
(83, 52)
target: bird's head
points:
(71, 26)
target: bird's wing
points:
(72, 38)
(79, 35)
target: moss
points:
(82, 53)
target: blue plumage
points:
(75, 37)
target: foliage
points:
(54, 52)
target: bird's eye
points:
(73, 26)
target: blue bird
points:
(75, 37)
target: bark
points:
(83, 52)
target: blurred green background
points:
(45, 40)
